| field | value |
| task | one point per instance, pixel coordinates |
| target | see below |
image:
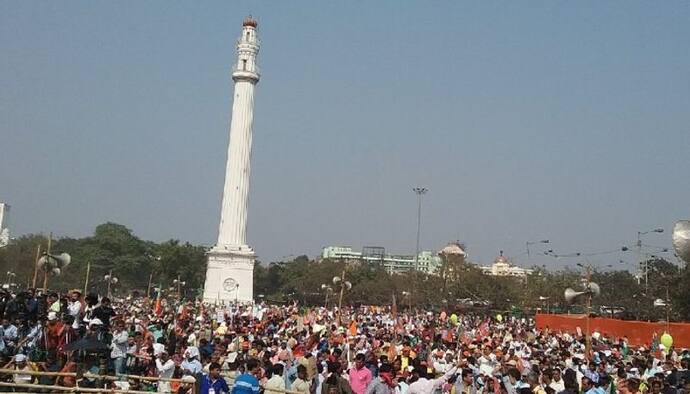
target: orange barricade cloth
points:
(639, 333)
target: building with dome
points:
(453, 249)
(502, 267)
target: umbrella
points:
(88, 345)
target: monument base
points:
(229, 275)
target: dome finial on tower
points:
(249, 21)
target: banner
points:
(639, 333)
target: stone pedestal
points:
(229, 276)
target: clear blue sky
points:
(526, 120)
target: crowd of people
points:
(248, 349)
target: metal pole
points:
(668, 306)
(588, 338)
(110, 279)
(45, 268)
(419, 191)
(646, 263)
(86, 282)
(340, 300)
(148, 289)
(38, 256)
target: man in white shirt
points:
(166, 368)
(487, 362)
(75, 308)
(557, 383)
(119, 347)
(424, 385)
(276, 382)
(301, 384)
(9, 333)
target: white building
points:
(4, 231)
(428, 261)
(502, 267)
(230, 269)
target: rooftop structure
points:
(502, 267)
(428, 261)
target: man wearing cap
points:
(21, 365)
(191, 364)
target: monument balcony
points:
(246, 73)
(250, 44)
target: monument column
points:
(230, 270)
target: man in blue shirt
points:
(247, 383)
(213, 383)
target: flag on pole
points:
(159, 309)
(352, 331)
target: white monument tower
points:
(4, 231)
(230, 270)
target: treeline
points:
(114, 248)
(460, 284)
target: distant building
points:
(502, 267)
(428, 261)
(453, 249)
(4, 231)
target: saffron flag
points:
(158, 309)
(352, 331)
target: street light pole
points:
(646, 261)
(110, 281)
(588, 338)
(420, 191)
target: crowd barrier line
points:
(91, 376)
(230, 381)
(51, 388)
(227, 378)
(67, 389)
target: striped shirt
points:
(246, 384)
